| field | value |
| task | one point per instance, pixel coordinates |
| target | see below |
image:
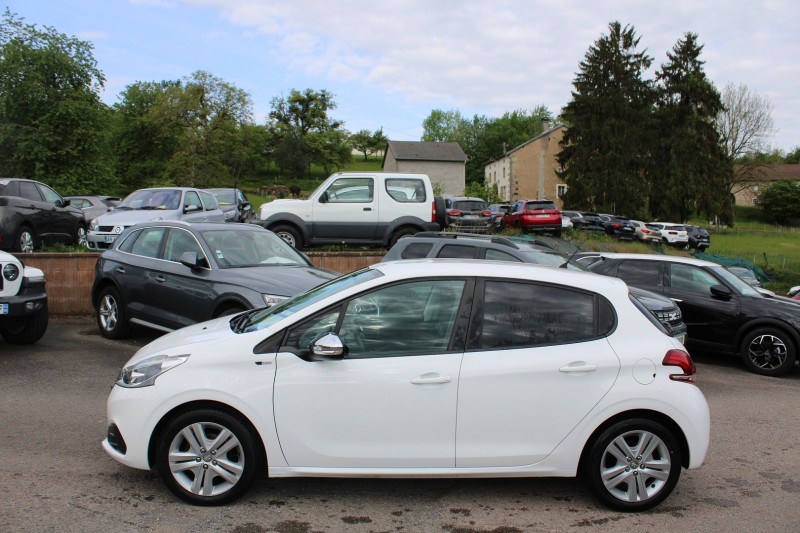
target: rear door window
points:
(646, 274)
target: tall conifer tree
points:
(605, 152)
(688, 165)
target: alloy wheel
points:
(635, 466)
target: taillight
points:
(683, 360)
(616, 225)
(433, 211)
(486, 213)
(454, 212)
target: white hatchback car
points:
(672, 234)
(419, 369)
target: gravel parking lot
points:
(55, 476)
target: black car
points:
(721, 310)
(587, 221)
(468, 214)
(619, 227)
(698, 237)
(234, 204)
(493, 248)
(33, 213)
(166, 275)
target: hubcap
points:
(635, 466)
(108, 312)
(768, 352)
(26, 242)
(206, 459)
(287, 238)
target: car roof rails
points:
(456, 235)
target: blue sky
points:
(390, 63)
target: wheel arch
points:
(647, 414)
(155, 436)
(98, 287)
(401, 224)
(228, 301)
(763, 322)
(287, 219)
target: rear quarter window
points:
(406, 190)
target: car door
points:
(193, 208)
(536, 364)
(391, 401)
(709, 318)
(61, 222)
(333, 211)
(136, 274)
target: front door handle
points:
(577, 367)
(160, 279)
(431, 380)
(120, 270)
(367, 209)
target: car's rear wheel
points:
(768, 351)
(80, 235)
(399, 234)
(207, 457)
(27, 329)
(289, 235)
(111, 315)
(634, 464)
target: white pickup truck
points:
(366, 208)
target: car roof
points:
(656, 257)
(421, 268)
(201, 226)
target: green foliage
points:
(606, 147)
(479, 190)
(793, 157)
(304, 134)
(781, 201)
(687, 162)
(368, 143)
(53, 125)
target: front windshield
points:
(240, 248)
(224, 196)
(272, 315)
(152, 199)
(736, 282)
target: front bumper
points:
(132, 417)
(29, 301)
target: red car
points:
(534, 215)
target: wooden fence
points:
(69, 276)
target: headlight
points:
(93, 225)
(145, 372)
(11, 272)
(271, 299)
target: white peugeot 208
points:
(419, 369)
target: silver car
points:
(144, 205)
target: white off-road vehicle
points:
(23, 301)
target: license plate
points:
(471, 217)
(109, 238)
(542, 216)
(3, 309)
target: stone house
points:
(529, 170)
(748, 193)
(445, 163)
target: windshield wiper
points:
(241, 321)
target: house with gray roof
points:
(445, 163)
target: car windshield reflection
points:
(236, 249)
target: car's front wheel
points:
(26, 241)
(80, 235)
(289, 235)
(111, 315)
(27, 329)
(207, 457)
(768, 351)
(633, 465)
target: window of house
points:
(561, 190)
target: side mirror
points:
(191, 208)
(191, 260)
(721, 292)
(329, 346)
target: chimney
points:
(545, 125)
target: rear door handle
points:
(431, 380)
(120, 270)
(577, 367)
(367, 209)
(160, 279)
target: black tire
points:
(441, 212)
(557, 233)
(400, 233)
(289, 234)
(25, 241)
(188, 471)
(27, 329)
(79, 238)
(111, 314)
(768, 351)
(626, 481)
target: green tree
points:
(793, 158)
(305, 134)
(781, 201)
(688, 166)
(53, 126)
(367, 142)
(444, 126)
(210, 115)
(142, 146)
(606, 147)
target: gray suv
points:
(492, 248)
